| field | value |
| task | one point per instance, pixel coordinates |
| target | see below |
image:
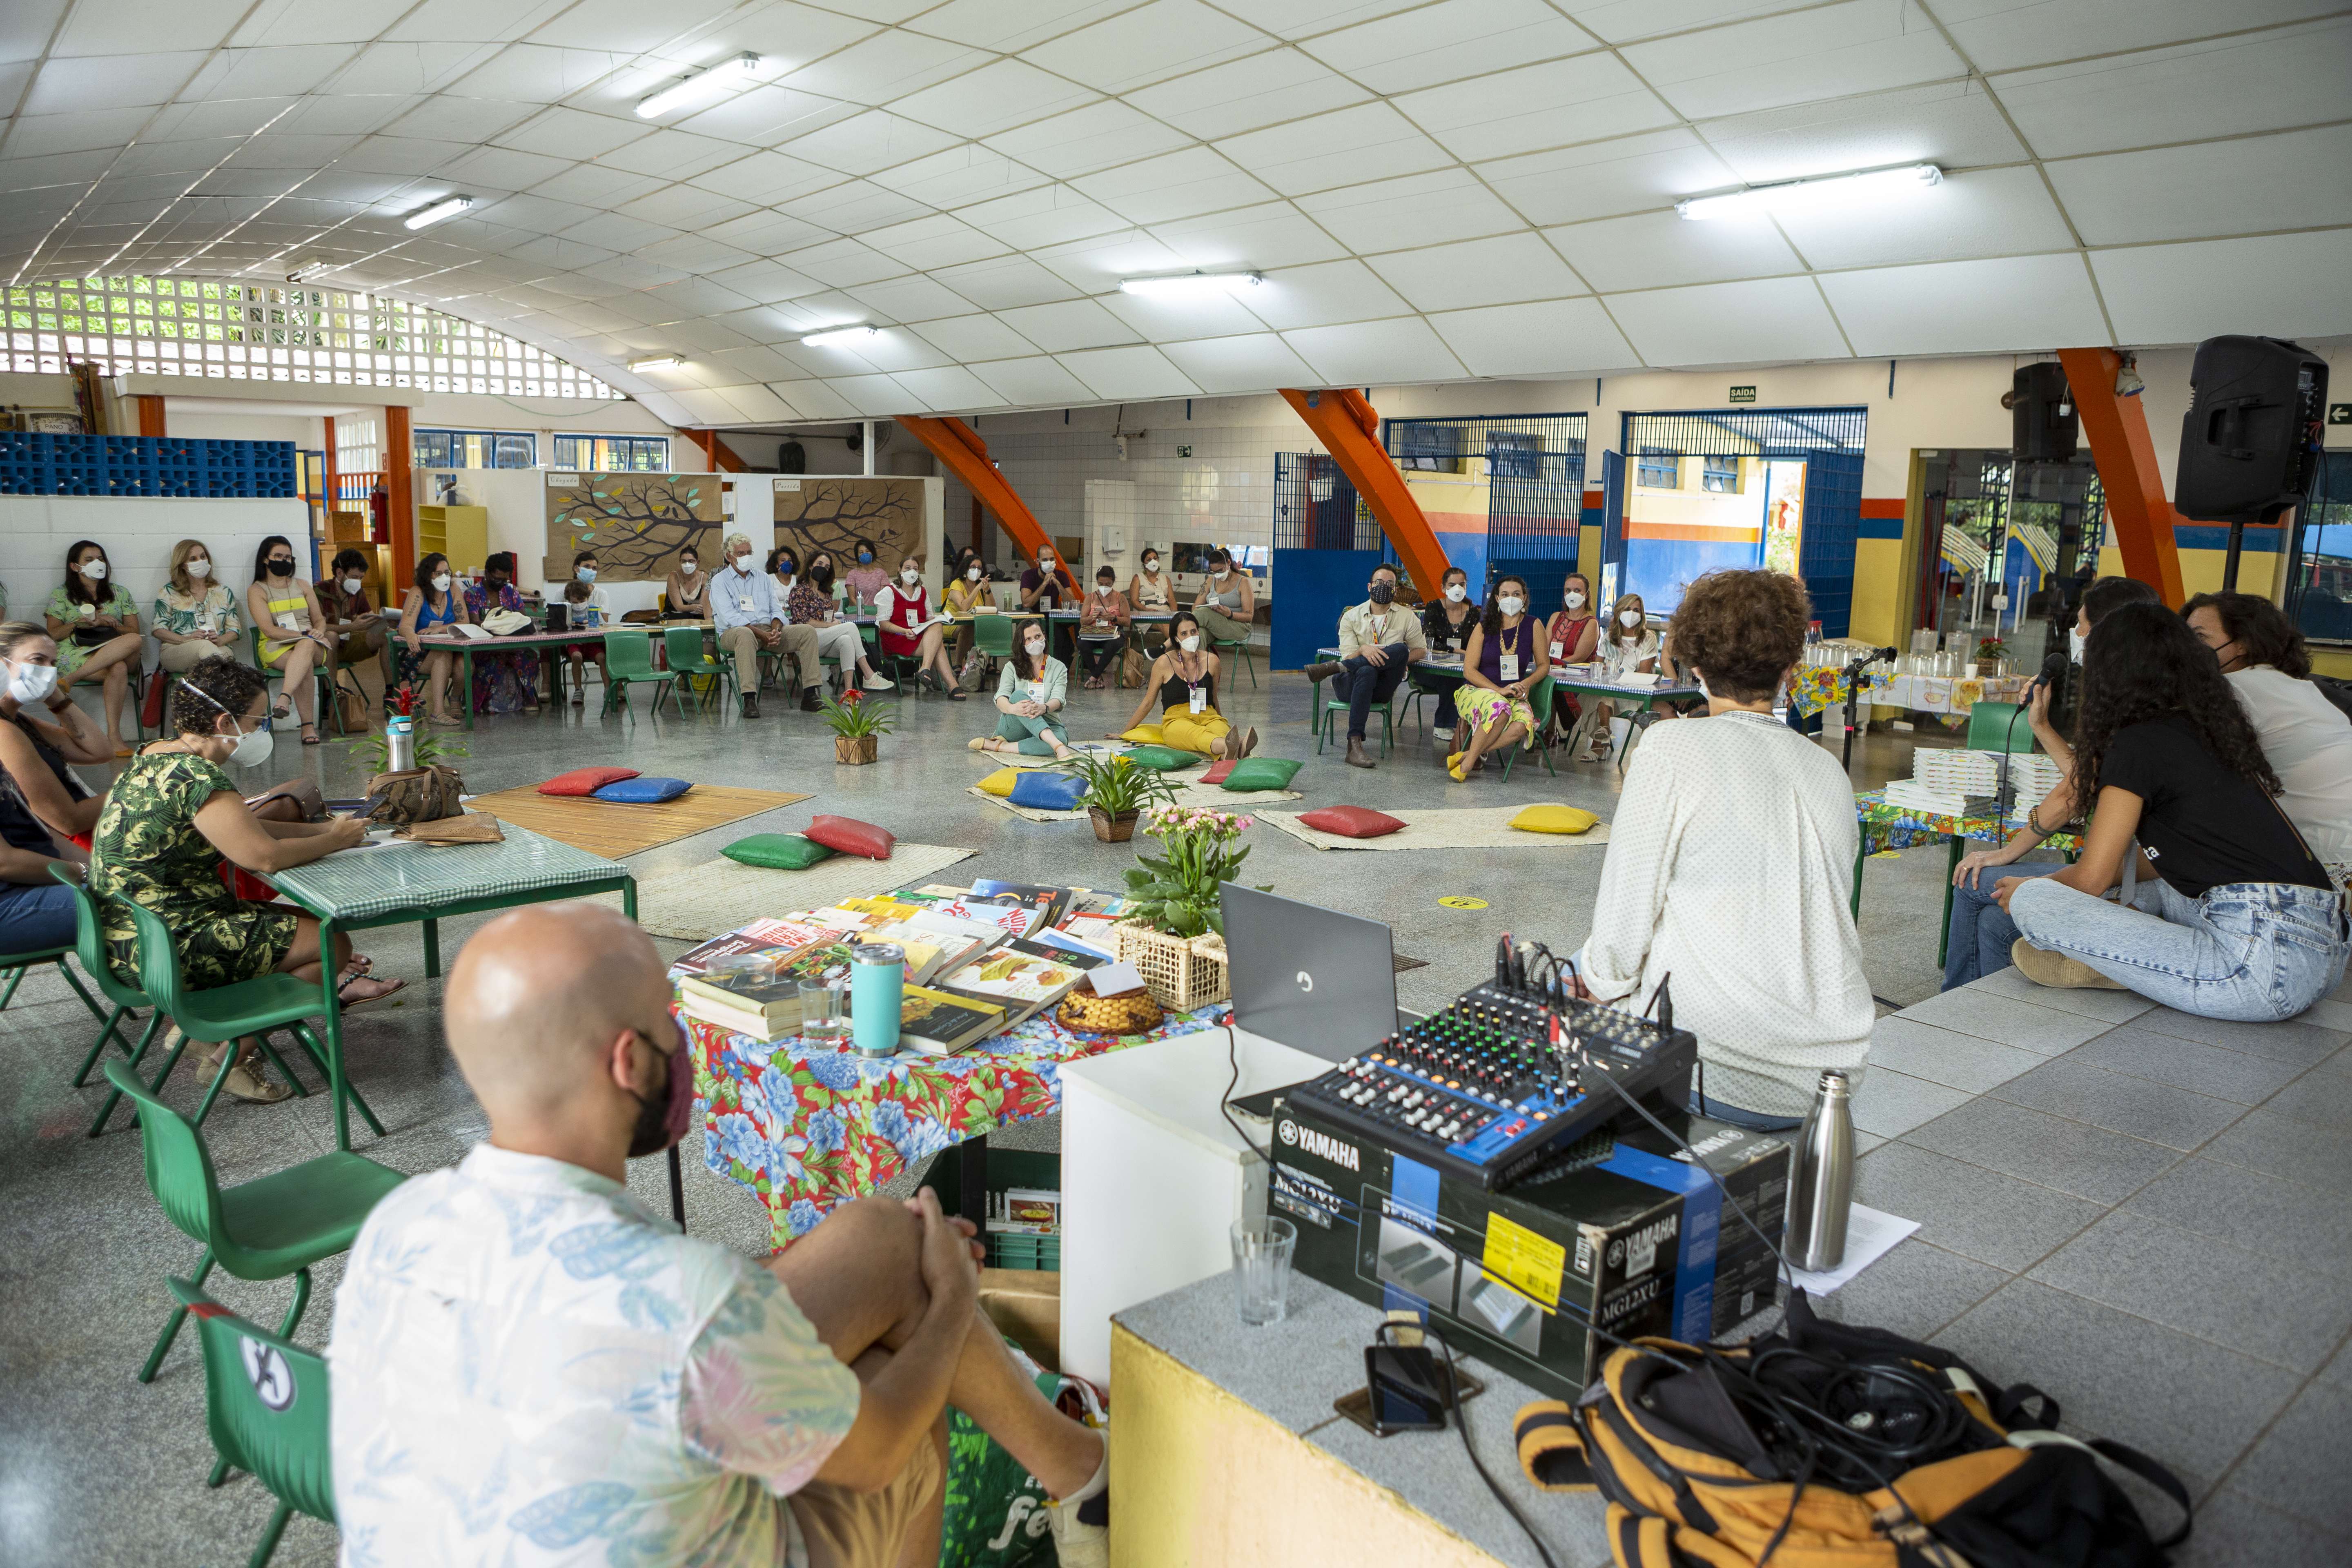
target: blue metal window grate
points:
(1534, 467)
(1316, 507)
(2320, 560)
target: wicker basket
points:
(1182, 973)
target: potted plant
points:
(858, 726)
(1990, 651)
(373, 750)
(1174, 932)
(1117, 793)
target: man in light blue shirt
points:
(750, 621)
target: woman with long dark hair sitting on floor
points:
(2236, 918)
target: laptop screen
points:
(1311, 978)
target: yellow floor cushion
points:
(1554, 819)
(1002, 781)
(1146, 735)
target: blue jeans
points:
(35, 919)
(1754, 1120)
(1360, 683)
(1979, 943)
(2247, 952)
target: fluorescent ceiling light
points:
(841, 337)
(727, 76)
(659, 362)
(1188, 285)
(446, 207)
(1830, 192)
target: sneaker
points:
(878, 681)
(2057, 971)
(1081, 1523)
(244, 1081)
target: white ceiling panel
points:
(1372, 353)
(1095, 266)
(2225, 87)
(1176, 185)
(1304, 18)
(1153, 41)
(2280, 286)
(534, 73)
(2126, 197)
(1069, 324)
(1968, 306)
(765, 116)
(1775, 319)
(1505, 269)
(1986, 212)
(1562, 337)
(260, 118)
(481, 20)
(1087, 139)
(1450, 40)
(267, 73)
(1383, 215)
(767, 282)
(1622, 21)
(1658, 249)
(696, 253)
(502, 168)
(1248, 94)
(686, 208)
(949, 387)
(911, 299)
(814, 399)
(1318, 296)
(1034, 381)
(960, 177)
(1605, 179)
(1171, 320)
(1252, 239)
(1335, 149)
(787, 34)
(1954, 124)
(1049, 214)
(1252, 361)
(971, 338)
(887, 66)
(671, 155)
(767, 233)
(276, 21)
(412, 66)
(2000, 34)
(1009, 26)
(1127, 375)
(843, 263)
(37, 135)
(461, 118)
(121, 81)
(569, 133)
(151, 23)
(1535, 106)
(1860, 46)
(767, 178)
(895, 349)
(938, 240)
(854, 206)
(997, 97)
(867, 142)
(875, 397)
(756, 404)
(1004, 283)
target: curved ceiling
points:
(1434, 192)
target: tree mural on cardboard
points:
(834, 513)
(636, 523)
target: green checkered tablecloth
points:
(367, 884)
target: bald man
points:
(531, 1369)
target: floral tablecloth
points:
(1885, 825)
(1814, 690)
(807, 1128)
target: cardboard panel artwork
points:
(636, 523)
(834, 514)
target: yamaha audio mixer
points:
(1508, 1075)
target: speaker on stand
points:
(2249, 442)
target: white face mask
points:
(689, 568)
(743, 563)
(1510, 604)
(199, 568)
(1457, 593)
(1037, 649)
(584, 573)
(94, 570)
(1221, 574)
(1045, 564)
(441, 584)
(1628, 619)
(907, 574)
(253, 749)
(1574, 601)
(1190, 645)
(2076, 643)
(1151, 568)
(31, 683)
(972, 575)
(353, 584)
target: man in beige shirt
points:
(1379, 639)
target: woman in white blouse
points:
(1731, 867)
(1628, 648)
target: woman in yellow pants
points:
(1183, 681)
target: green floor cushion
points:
(778, 851)
(1161, 759)
(1263, 772)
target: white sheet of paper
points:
(1869, 1236)
(1113, 978)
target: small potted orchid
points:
(1174, 932)
(858, 726)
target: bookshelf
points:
(460, 533)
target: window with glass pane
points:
(2319, 579)
(1719, 476)
(1659, 469)
(614, 454)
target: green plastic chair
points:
(89, 948)
(688, 663)
(993, 635)
(266, 1405)
(1332, 709)
(629, 655)
(1248, 662)
(1539, 697)
(1999, 727)
(259, 1230)
(16, 966)
(255, 1007)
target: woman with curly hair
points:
(1732, 866)
(2237, 919)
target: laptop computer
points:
(1311, 978)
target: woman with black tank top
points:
(2227, 914)
(41, 802)
(1183, 681)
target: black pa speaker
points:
(2252, 436)
(792, 458)
(2043, 423)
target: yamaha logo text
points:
(1319, 1145)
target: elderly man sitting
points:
(530, 1367)
(750, 621)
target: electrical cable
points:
(1462, 1424)
(1225, 1101)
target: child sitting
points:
(585, 612)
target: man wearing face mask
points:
(800, 1413)
(750, 621)
(353, 626)
(1042, 585)
(1380, 641)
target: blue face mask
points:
(585, 573)
(785, 568)
(865, 558)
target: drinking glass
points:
(821, 1009)
(1261, 1249)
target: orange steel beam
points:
(2126, 458)
(1350, 429)
(717, 453)
(958, 446)
(150, 414)
(400, 502)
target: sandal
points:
(309, 735)
(280, 709)
(979, 743)
(361, 972)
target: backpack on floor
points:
(1698, 1469)
(1134, 667)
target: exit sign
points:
(1743, 395)
(2339, 413)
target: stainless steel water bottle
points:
(399, 744)
(1821, 1196)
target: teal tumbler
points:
(878, 980)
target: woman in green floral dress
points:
(171, 817)
(97, 630)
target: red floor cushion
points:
(1352, 821)
(1217, 774)
(585, 781)
(851, 837)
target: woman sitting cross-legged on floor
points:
(1029, 698)
(1183, 681)
(1505, 658)
(170, 819)
(2235, 917)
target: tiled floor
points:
(95, 1467)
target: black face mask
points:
(281, 568)
(663, 1122)
(496, 580)
(1383, 593)
(823, 577)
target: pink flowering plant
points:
(1176, 891)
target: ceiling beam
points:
(1349, 428)
(2117, 428)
